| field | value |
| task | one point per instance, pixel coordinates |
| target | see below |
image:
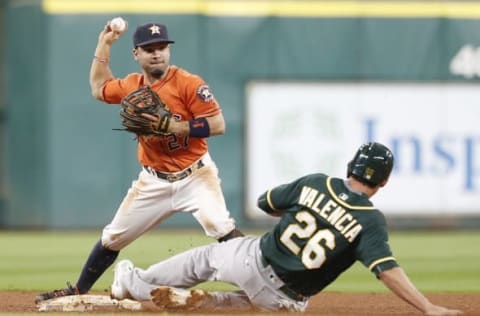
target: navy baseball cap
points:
(150, 33)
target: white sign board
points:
(296, 128)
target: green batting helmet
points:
(372, 164)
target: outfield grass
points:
(435, 261)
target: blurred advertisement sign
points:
(294, 128)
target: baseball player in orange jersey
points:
(178, 174)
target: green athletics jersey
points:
(325, 227)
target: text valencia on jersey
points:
(335, 214)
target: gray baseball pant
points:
(237, 261)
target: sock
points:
(233, 234)
(98, 261)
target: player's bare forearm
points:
(217, 124)
(399, 283)
(100, 71)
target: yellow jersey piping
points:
(377, 262)
(343, 203)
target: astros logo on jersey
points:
(204, 93)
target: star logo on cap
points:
(155, 29)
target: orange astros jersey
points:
(188, 97)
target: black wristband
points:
(199, 128)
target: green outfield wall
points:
(64, 166)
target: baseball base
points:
(88, 303)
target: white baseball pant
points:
(150, 200)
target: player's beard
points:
(157, 73)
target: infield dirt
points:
(326, 303)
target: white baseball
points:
(118, 24)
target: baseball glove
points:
(143, 113)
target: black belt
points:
(285, 289)
(175, 176)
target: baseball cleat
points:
(69, 290)
(169, 298)
(118, 290)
